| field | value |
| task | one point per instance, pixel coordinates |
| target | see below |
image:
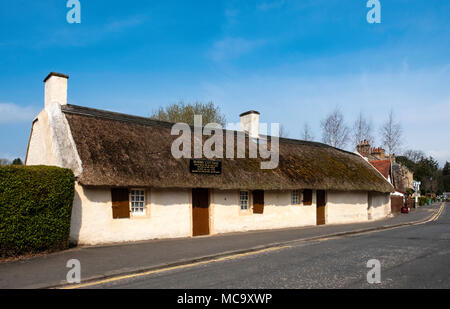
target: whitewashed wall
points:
(346, 207)
(169, 216)
(380, 205)
(40, 144)
(278, 212)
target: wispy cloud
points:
(82, 36)
(233, 47)
(13, 113)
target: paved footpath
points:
(106, 261)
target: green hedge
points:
(423, 200)
(35, 209)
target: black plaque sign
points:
(211, 167)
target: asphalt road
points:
(411, 257)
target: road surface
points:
(415, 256)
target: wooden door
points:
(200, 212)
(258, 202)
(321, 203)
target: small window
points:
(137, 202)
(307, 197)
(295, 197)
(244, 200)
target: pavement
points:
(100, 262)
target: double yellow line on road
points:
(157, 271)
(227, 258)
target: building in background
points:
(397, 174)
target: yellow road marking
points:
(226, 258)
(156, 271)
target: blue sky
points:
(292, 60)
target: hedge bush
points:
(35, 209)
(423, 200)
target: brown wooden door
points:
(321, 203)
(258, 202)
(200, 212)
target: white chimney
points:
(250, 123)
(55, 89)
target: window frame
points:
(298, 197)
(248, 209)
(144, 203)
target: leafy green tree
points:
(405, 161)
(181, 112)
(446, 177)
(446, 169)
(427, 172)
(17, 161)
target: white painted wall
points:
(55, 91)
(92, 223)
(346, 207)
(250, 123)
(278, 212)
(169, 214)
(40, 145)
(380, 205)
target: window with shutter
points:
(258, 202)
(307, 197)
(120, 203)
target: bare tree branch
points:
(362, 130)
(414, 155)
(334, 130)
(391, 133)
(283, 131)
(306, 133)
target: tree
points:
(334, 130)
(283, 132)
(405, 161)
(391, 133)
(17, 161)
(427, 173)
(446, 177)
(362, 130)
(181, 112)
(414, 155)
(306, 133)
(446, 169)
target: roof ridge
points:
(94, 112)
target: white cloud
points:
(229, 47)
(13, 113)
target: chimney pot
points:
(55, 89)
(250, 123)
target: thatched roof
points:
(120, 150)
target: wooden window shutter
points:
(120, 203)
(307, 197)
(258, 202)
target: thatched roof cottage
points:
(129, 187)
